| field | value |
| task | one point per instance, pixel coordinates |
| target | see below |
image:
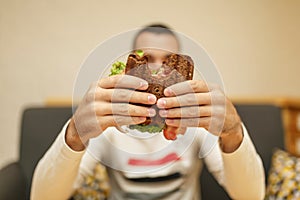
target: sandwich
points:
(174, 69)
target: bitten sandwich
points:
(174, 69)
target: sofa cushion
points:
(284, 176)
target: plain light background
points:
(255, 44)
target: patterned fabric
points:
(284, 177)
(95, 186)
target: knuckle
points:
(120, 94)
(135, 120)
(207, 122)
(133, 95)
(172, 102)
(207, 111)
(101, 125)
(92, 108)
(192, 111)
(214, 121)
(123, 108)
(195, 121)
(139, 111)
(216, 88)
(98, 93)
(218, 111)
(203, 84)
(101, 82)
(189, 122)
(194, 83)
(216, 124)
(190, 99)
(114, 79)
(118, 120)
(90, 96)
(217, 97)
(184, 122)
(196, 111)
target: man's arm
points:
(240, 172)
(102, 106)
(244, 175)
(56, 172)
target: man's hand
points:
(107, 103)
(195, 104)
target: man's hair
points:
(156, 29)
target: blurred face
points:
(157, 46)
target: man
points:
(169, 174)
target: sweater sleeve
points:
(60, 171)
(241, 172)
(244, 176)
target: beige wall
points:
(256, 45)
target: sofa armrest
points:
(12, 182)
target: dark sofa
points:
(40, 126)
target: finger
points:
(189, 122)
(187, 112)
(123, 81)
(119, 120)
(192, 86)
(124, 109)
(191, 99)
(125, 95)
(122, 95)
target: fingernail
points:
(143, 84)
(168, 92)
(152, 112)
(161, 103)
(151, 99)
(142, 119)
